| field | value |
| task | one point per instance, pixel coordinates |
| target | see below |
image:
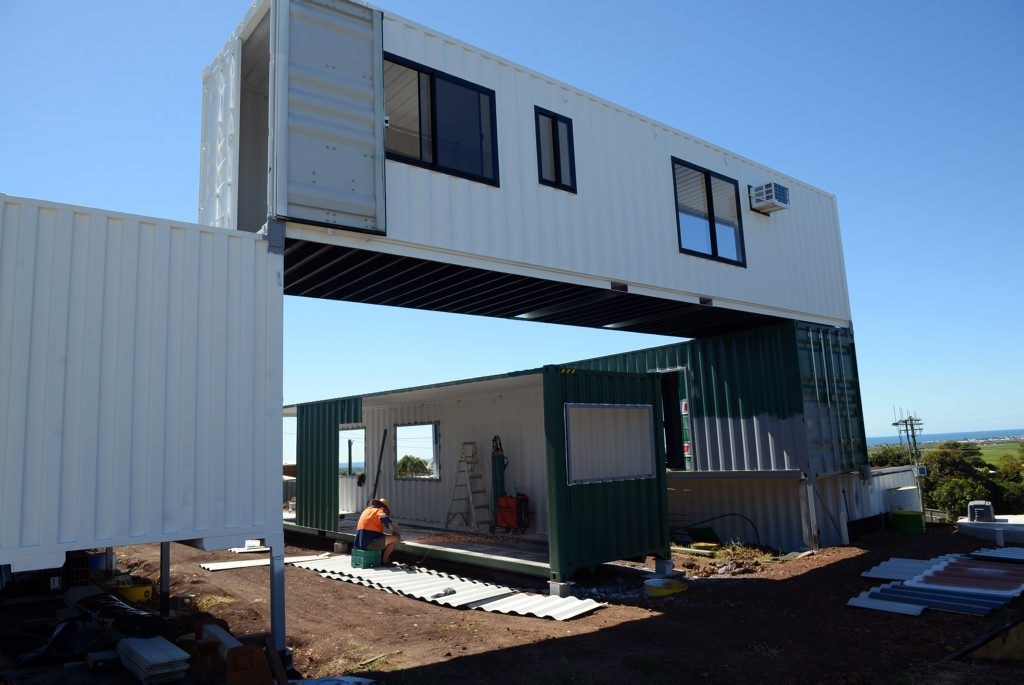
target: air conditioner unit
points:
(768, 197)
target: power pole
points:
(910, 427)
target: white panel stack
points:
(153, 660)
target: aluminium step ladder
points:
(469, 497)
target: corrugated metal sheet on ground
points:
(974, 576)
(227, 565)
(1013, 555)
(952, 583)
(450, 590)
(904, 569)
(976, 604)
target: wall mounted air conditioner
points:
(768, 197)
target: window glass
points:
(459, 134)
(487, 142)
(728, 241)
(402, 105)
(565, 153)
(440, 122)
(555, 163)
(695, 233)
(691, 194)
(707, 210)
(416, 452)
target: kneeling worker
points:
(376, 530)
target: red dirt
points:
(786, 622)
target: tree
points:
(952, 460)
(1011, 467)
(953, 494)
(411, 467)
(889, 455)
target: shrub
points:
(953, 494)
(889, 455)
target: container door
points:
(327, 121)
(218, 156)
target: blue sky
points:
(910, 113)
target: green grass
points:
(992, 453)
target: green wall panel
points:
(316, 458)
(592, 523)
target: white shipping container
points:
(314, 118)
(140, 383)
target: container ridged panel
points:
(141, 381)
(621, 224)
(218, 151)
(317, 451)
(329, 154)
(593, 523)
(746, 413)
(764, 511)
(831, 398)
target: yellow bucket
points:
(135, 593)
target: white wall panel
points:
(621, 224)
(140, 382)
(609, 442)
(512, 408)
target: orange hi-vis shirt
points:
(371, 525)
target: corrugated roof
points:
(451, 590)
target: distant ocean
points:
(942, 437)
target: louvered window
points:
(708, 215)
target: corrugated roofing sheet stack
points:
(974, 584)
(451, 590)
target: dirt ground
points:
(769, 621)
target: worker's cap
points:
(384, 503)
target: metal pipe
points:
(165, 579)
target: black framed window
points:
(708, 213)
(556, 160)
(439, 121)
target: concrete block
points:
(663, 567)
(557, 589)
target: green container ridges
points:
(316, 459)
(792, 387)
(592, 523)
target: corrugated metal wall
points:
(795, 266)
(745, 405)
(776, 398)
(511, 408)
(754, 510)
(316, 459)
(592, 523)
(141, 377)
(832, 409)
